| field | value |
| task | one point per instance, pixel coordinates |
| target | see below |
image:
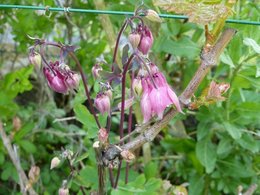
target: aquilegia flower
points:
(146, 41)
(157, 96)
(60, 78)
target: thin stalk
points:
(73, 170)
(129, 128)
(117, 41)
(121, 126)
(118, 174)
(85, 87)
(111, 177)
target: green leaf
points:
(153, 184)
(206, 153)
(90, 176)
(234, 131)
(224, 146)
(27, 128)
(28, 146)
(252, 43)
(150, 170)
(235, 168)
(83, 115)
(225, 58)
(182, 47)
(139, 182)
(2, 158)
(248, 142)
(80, 158)
(196, 185)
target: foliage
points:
(214, 149)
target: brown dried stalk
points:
(16, 161)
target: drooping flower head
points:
(157, 95)
(146, 41)
(102, 102)
(60, 78)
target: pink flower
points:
(60, 78)
(146, 106)
(146, 41)
(72, 81)
(55, 80)
(102, 103)
(156, 98)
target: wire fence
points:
(68, 9)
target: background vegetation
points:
(212, 150)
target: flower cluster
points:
(157, 95)
(141, 38)
(60, 78)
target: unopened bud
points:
(102, 103)
(17, 124)
(102, 135)
(63, 191)
(153, 16)
(146, 40)
(95, 70)
(127, 155)
(35, 59)
(55, 162)
(137, 86)
(134, 39)
(34, 174)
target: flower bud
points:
(35, 59)
(95, 70)
(55, 162)
(17, 123)
(63, 191)
(127, 155)
(102, 103)
(102, 135)
(137, 86)
(153, 16)
(146, 40)
(34, 174)
(134, 39)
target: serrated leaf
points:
(206, 153)
(197, 12)
(252, 43)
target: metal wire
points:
(68, 9)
